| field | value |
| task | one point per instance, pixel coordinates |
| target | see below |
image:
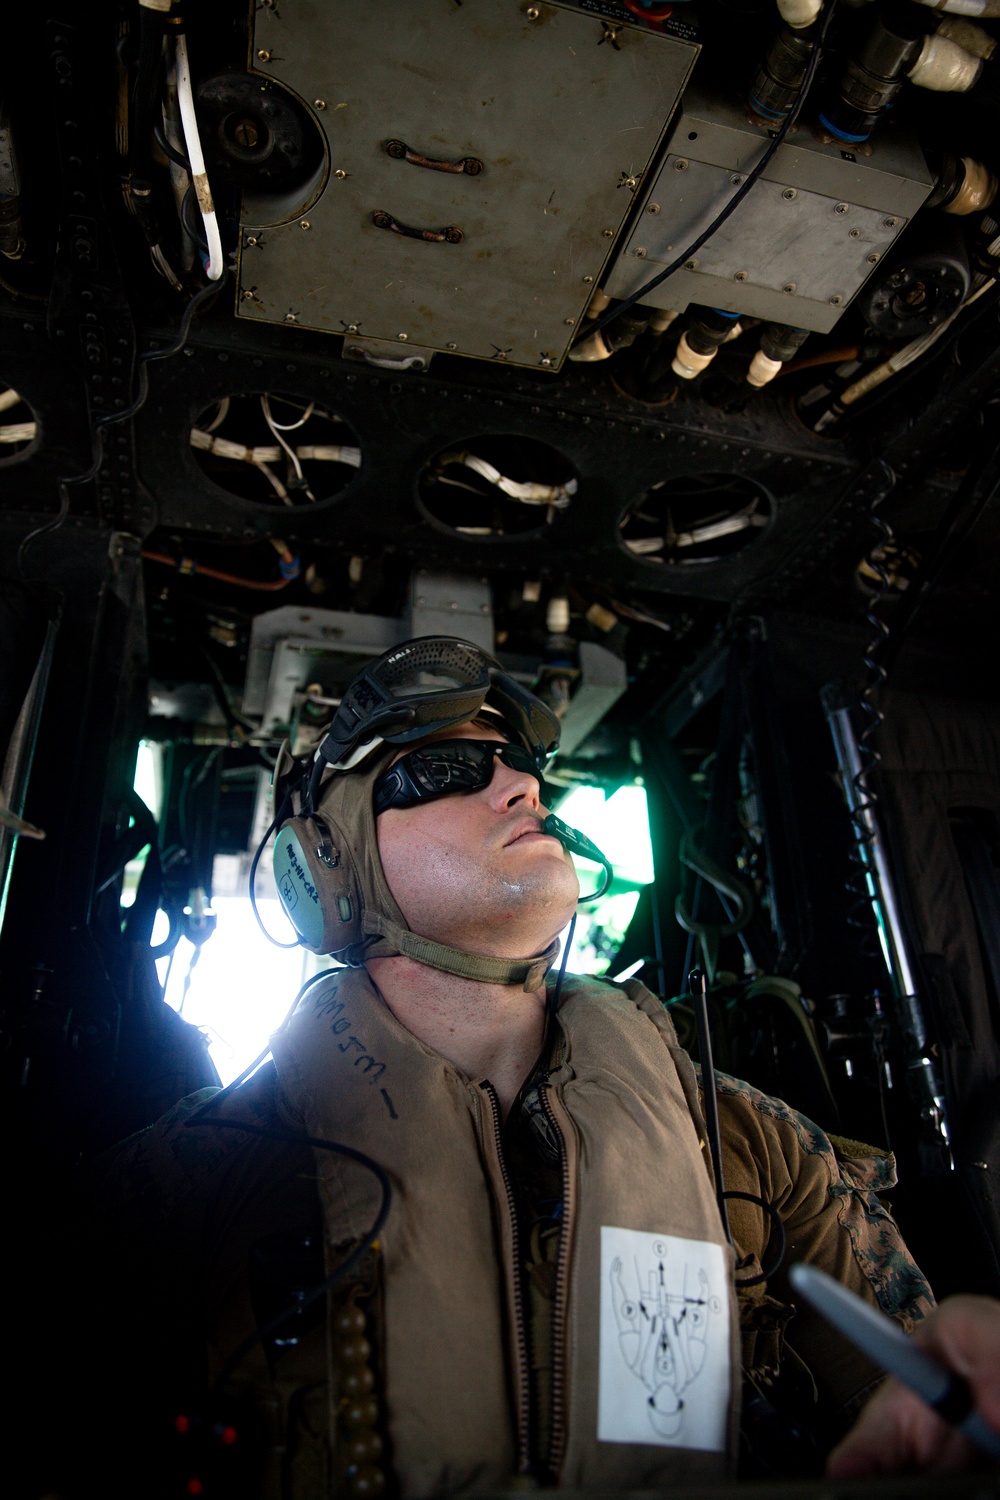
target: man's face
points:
(474, 869)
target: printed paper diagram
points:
(664, 1360)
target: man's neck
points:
(492, 1031)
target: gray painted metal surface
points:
(564, 126)
(800, 245)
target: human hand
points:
(896, 1431)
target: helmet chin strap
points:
(528, 972)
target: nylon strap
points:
(529, 971)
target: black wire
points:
(552, 1001)
(279, 818)
(97, 438)
(595, 326)
(767, 1271)
(696, 984)
(220, 692)
(187, 209)
(177, 157)
(294, 1309)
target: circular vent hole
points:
(18, 424)
(275, 449)
(496, 486)
(696, 518)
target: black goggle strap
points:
(578, 843)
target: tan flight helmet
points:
(327, 870)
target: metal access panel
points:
(803, 241)
(514, 134)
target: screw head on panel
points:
(319, 104)
(263, 56)
(652, 208)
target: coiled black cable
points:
(860, 913)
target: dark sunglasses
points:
(450, 766)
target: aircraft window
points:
(275, 450)
(497, 486)
(235, 986)
(618, 823)
(18, 424)
(696, 518)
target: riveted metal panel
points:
(801, 244)
(564, 119)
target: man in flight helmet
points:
(463, 1231)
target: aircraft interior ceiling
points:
(651, 347)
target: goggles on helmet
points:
(429, 684)
(449, 766)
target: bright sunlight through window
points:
(619, 826)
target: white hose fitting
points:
(945, 66)
(199, 178)
(599, 302)
(968, 35)
(733, 333)
(762, 369)
(557, 615)
(977, 192)
(589, 350)
(661, 320)
(686, 363)
(799, 13)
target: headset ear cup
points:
(316, 884)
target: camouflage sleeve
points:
(827, 1193)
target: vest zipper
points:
(557, 1438)
(523, 1387)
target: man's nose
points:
(509, 788)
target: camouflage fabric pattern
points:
(853, 1175)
